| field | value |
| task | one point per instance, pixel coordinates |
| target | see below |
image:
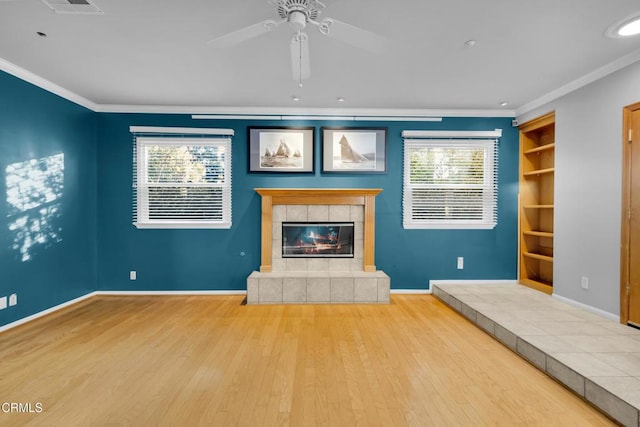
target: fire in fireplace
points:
(317, 239)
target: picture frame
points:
(354, 150)
(281, 149)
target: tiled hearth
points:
(311, 287)
(318, 280)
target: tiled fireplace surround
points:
(318, 280)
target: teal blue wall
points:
(212, 260)
(48, 248)
(90, 244)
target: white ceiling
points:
(154, 52)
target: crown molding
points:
(589, 78)
(374, 114)
(279, 113)
(45, 84)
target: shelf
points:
(538, 233)
(538, 206)
(538, 284)
(541, 148)
(536, 213)
(538, 256)
(539, 172)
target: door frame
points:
(626, 203)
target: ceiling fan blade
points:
(350, 34)
(243, 34)
(300, 63)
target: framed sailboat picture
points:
(281, 149)
(354, 150)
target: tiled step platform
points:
(597, 358)
(315, 287)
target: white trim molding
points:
(589, 78)
(316, 117)
(265, 113)
(168, 293)
(410, 291)
(255, 113)
(46, 312)
(482, 282)
(113, 293)
(281, 113)
(597, 311)
(183, 131)
(588, 308)
(448, 134)
(45, 84)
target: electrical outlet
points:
(3, 303)
(133, 275)
(584, 282)
(460, 263)
(13, 300)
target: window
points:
(450, 183)
(182, 181)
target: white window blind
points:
(450, 183)
(181, 180)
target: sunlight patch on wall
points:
(34, 188)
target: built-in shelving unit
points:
(537, 171)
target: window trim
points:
(145, 137)
(415, 139)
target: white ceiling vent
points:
(74, 7)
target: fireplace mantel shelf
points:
(319, 196)
(293, 192)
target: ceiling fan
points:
(299, 13)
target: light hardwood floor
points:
(208, 360)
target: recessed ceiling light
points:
(630, 29)
(295, 98)
(504, 103)
(629, 26)
(470, 43)
(41, 34)
(340, 99)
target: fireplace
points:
(317, 239)
(325, 205)
(317, 247)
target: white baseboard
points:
(472, 282)
(410, 291)
(45, 312)
(170, 293)
(96, 293)
(589, 308)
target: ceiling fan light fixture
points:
(297, 20)
(627, 27)
(299, 13)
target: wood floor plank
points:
(210, 360)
